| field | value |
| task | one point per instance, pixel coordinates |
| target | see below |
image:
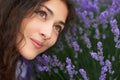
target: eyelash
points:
(42, 14)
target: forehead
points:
(58, 7)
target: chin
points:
(29, 56)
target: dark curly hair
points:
(12, 12)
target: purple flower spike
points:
(118, 44)
(107, 63)
(83, 73)
(94, 56)
(76, 46)
(99, 46)
(70, 68)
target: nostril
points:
(45, 36)
(42, 34)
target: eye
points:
(42, 14)
(58, 28)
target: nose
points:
(46, 32)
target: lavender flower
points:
(103, 17)
(104, 36)
(105, 68)
(87, 40)
(43, 68)
(117, 44)
(113, 58)
(102, 77)
(95, 56)
(70, 68)
(83, 73)
(74, 30)
(76, 46)
(101, 60)
(47, 62)
(103, 73)
(56, 62)
(115, 29)
(97, 35)
(107, 63)
(55, 70)
(99, 46)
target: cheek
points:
(52, 41)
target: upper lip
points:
(37, 41)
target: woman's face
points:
(42, 29)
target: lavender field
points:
(88, 51)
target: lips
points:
(36, 43)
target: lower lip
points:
(35, 44)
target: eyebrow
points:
(51, 12)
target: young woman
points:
(28, 28)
